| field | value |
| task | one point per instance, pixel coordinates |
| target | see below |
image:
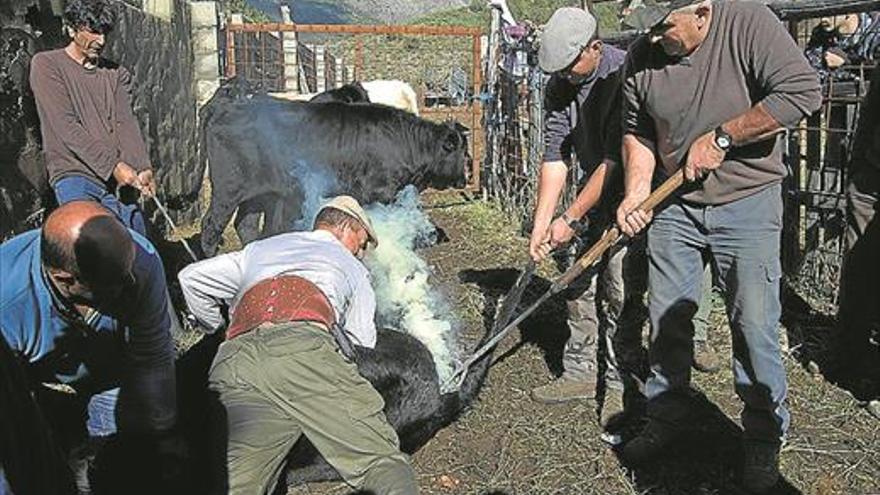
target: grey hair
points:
(692, 8)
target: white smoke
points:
(405, 299)
(315, 182)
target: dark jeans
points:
(77, 187)
(859, 313)
(742, 239)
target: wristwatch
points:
(722, 139)
(571, 222)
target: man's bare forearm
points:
(638, 165)
(590, 195)
(550, 185)
(756, 124)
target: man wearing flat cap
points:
(582, 123)
(711, 88)
(282, 371)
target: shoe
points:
(612, 406)
(761, 466)
(655, 437)
(564, 390)
(705, 358)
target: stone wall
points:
(159, 54)
(171, 52)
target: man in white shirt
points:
(280, 373)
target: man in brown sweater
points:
(710, 89)
(91, 139)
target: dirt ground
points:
(509, 444)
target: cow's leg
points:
(215, 220)
(276, 223)
(247, 220)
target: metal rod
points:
(610, 238)
(168, 219)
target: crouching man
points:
(280, 373)
(82, 302)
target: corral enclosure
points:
(545, 450)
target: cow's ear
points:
(452, 141)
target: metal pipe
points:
(171, 223)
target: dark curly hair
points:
(95, 15)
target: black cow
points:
(268, 155)
(347, 93)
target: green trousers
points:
(278, 382)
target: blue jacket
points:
(126, 343)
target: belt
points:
(278, 300)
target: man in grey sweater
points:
(711, 88)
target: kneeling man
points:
(280, 372)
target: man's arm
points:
(554, 170)
(134, 151)
(790, 85)
(57, 113)
(638, 146)
(639, 163)
(210, 284)
(359, 320)
(551, 181)
(147, 396)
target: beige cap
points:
(350, 206)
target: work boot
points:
(612, 406)
(656, 436)
(565, 389)
(761, 466)
(705, 358)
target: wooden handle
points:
(612, 234)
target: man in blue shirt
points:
(83, 303)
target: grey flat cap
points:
(646, 16)
(564, 36)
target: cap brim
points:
(645, 17)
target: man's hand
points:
(539, 243)
(560, 232)
(125, 175)
(630, 219)
(704, 155)
(833, 60)
(148, 182)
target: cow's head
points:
(452, 159)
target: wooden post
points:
(475, 113)
(230, 53)
(359, 60)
